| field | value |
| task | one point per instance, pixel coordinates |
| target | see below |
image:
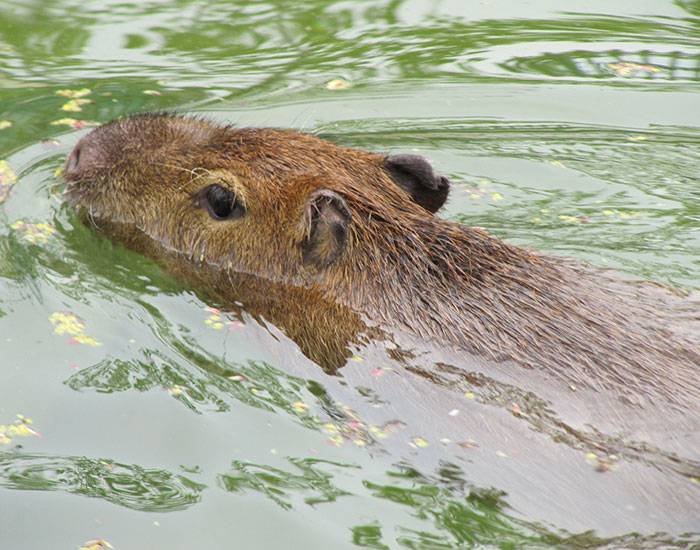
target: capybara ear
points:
(329, 219)
(415, 175)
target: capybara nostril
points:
(74, 159)
(84, 157)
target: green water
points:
(571, 127)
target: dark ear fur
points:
(415, 175)
(329, 218)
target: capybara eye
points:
(221, 203)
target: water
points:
(164, 424)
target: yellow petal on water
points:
(637, 138)
(86, 340)
(695, 480)
(419, 442)
(20, 428)
(58, 172)
(300, 406)
(536, 220)
(73, 123)
(7, 175)
(74, 94)
(96, 544)
(496, 197)
(66, 323)
(175, 390)
(469, 395)
(330, 428)
(377, 432)
(557, 163)
(64, 121)
(359, 442)
(337, 84)
(152, 92)
(5, 124)
(75, 105)
(569, 219)
(626, 68)
(356, 358)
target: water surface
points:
(160, 422)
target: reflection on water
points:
(575, 132)
(129, 485)
(647, 65)
(312, 484)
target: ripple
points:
(128, 485)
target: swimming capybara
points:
(348, 243)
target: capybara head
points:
(270, 202)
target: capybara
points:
(334, 243)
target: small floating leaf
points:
(73, 123)
(337, 84)
(75, 105)
(330, 428)
(96, 544)
(7, 175)
(7, 180)
(68, 323)
(85, 339)
(19, 428)
(377, 432)
(34, 233)
(74, 94)
(626, 68)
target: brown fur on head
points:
(154, 171)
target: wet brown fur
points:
(399, 267)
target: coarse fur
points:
(349, 229)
